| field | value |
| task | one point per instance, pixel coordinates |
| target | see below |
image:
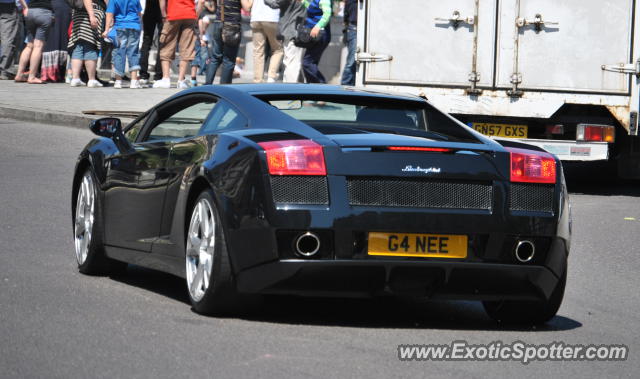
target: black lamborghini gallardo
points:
(323, 190)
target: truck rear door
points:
(442, 43)
(562, 45)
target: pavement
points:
(61, 104)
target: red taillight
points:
(294, 157)
(411, 148)
(530, 166)
(602, 133)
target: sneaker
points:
(94, 84)
(135, 84)
(143, 81)
(67, 78)
(271, 80)
(194, 83)
(117, 84)
(183, 84)
(162, 83)
(77, 83)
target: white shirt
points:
(262, 12)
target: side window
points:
(134, 129)
(184, 123)
(224, 116)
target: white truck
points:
(559, 74)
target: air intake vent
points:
(531, 197)
(300, 189)
(418, 193)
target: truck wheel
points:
(527, 312)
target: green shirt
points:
(325, 5)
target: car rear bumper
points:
(418, 278)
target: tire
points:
(213, 291)
(527, 312)
(88, 231)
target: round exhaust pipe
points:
(525, 251)
(307, 244)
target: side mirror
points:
(109, 127)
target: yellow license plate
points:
(417, 245)
(501, 130)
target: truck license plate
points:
(500, 130)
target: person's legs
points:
(168, 41)
(149, 22)
(310, 65)
(132, 52)
(187, 38)
(259, 42)
(77, 58)
(42, 19)
(215, 51)
(76, 67)
(34, 64)
(119, 54)
(292, 62)
(8, 31)
(271, 31)
(230, 53)
(312, 58)
(25, 58)
(349, 73)
(90, 65)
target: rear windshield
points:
(357, 114)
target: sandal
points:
(35, 81)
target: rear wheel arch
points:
(201, 184)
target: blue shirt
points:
(125, 13)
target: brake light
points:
(294, 157)
(528, 166)
(411, 148)
(592, 132)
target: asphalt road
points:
(57, 323)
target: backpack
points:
(75, 4)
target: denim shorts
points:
(128, 40)
(38, 22)
(85, 51)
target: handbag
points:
(231, 32)
(303, 37)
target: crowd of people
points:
(62, 40)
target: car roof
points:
(301, 89)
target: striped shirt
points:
(231, 11)
(82, 27)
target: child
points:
(127, 14)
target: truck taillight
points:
(593, 132)
(528, 166)
(294, 157)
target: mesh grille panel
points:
(300, 189)
(419, 193)
(531, 197)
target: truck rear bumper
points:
(572, 150)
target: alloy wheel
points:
(200, 249)
(84, 220)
